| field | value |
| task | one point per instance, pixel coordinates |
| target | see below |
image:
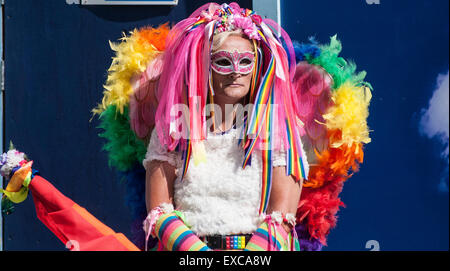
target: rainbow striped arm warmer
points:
(174, 235)
(271, 236)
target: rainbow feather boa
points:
(335, 117)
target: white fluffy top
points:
(218, 196)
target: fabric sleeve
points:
(156, 151)
(279, 158)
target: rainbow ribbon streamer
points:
(186, 156)
(197, 23)
(267, 157)
(262, 116)
(256, 78)
(260, 109)
(227, 9)
(295, 166)
(248, 12)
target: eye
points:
(245, 61)
(223, 62)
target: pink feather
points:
(313, 88)
(143, 101)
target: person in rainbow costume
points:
(266, 175)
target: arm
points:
(285, 194)
(284, 198)
(169, 228)
(159, 180)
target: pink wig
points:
(186, 69)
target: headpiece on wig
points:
(305, 97)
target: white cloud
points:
(434, 122)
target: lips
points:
(234, 85)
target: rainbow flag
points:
(71, 223)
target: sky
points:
(434, 123)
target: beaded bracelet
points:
(280, 217)
(290, 220)
(152, 217)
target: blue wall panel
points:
(403, 46)
(56, 61)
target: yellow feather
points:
(131, 58)
(349, 114)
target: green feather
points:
(341, 70)
(123, 147)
